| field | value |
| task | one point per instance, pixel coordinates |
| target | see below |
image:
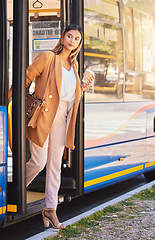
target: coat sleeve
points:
(37, 67)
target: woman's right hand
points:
(10, 92)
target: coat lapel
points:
(58, 72)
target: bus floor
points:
(34, 196)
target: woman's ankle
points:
(49, 209)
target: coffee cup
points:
(88, 73)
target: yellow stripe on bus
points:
(2, 210)
(112, 176)
(149, 164)
(11, 208)
(44, 10)
(98, 55)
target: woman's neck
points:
(65, 54)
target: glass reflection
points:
(140, 52)
(124, 64)
(103, 51)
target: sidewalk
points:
(131, 216)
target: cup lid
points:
(88, 70)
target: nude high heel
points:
(47, 220)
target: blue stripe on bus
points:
(117, 143)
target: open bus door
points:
(72, 164)
(21, 201)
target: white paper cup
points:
(88, 73)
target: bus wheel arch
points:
(150, 176)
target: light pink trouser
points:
(50, 155)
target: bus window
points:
(129, 39)
(44, 26)
(140, 52)
(103, 46)
(107, 10)
(138, 40)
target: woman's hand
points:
(89, 81)
(10, 92)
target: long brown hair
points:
(58, 48)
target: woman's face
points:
(72, 40)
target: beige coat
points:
(39, 70)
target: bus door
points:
(3, 110)
(17, 32)
(35, 28)
(46, 22)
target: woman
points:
(56, 124)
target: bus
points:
(115, 128)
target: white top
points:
(68, 85)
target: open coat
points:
(39, 70)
